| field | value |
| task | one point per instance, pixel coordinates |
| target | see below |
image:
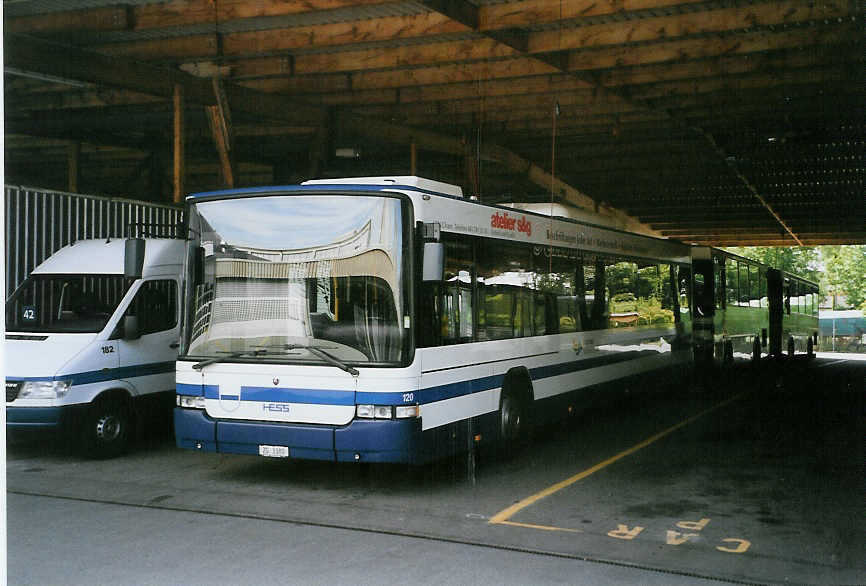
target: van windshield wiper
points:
(321, 353)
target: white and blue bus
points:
(394, 320)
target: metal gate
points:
(39, 222)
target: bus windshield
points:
(297, 278)
(64, 303)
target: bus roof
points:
(358, 184)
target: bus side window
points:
(762, 275)
(731, 277)
(743, 296)
(556, 296)
(719, 282)
(595, 288)
(670, 300)
(453, 306)
(505, 271)
(754, 286)
(684, 278)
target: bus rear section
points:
(793, 314)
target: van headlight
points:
(44, 389)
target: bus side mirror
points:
(433, 268)
(133, 261)
(130, 327)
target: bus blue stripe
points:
(421, 397)
(284, 395)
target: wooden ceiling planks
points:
(653, 94)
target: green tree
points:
(846, 272)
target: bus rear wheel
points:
(511, 420)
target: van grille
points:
(12, 389)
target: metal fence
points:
(39, 222)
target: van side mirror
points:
(433, 268)
(133, 261)
(130, 327)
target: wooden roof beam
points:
(555, 43)
(457, 10)
(29, 54)
(104, 18)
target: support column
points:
(220, 120)
(178, 144)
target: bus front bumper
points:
(373, 440)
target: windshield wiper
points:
(227, 356)
(320, 352)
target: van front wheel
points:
(107, 429)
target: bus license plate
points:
(274, 451)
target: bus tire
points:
(791, 348)
(514, 421)
(107, 428)
(756, 350)
(810, 348)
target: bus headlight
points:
(386, 411)
(190, 402)
(364, 411)
(374, 411)
(407, 411)
(44, 389)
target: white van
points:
(91, 336)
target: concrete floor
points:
(756, 478)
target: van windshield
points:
(65, 303)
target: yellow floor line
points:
(502, 517)
(541, 527)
